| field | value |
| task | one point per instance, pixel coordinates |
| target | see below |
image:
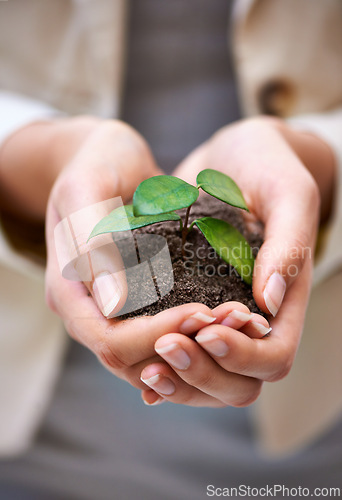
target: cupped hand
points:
(99, 171)
(224, 367)
(100, 164)
(106, 161)
(280, 192)
(199, 371)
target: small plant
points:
(156, 199)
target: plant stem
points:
(185, 229)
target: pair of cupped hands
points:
(190, 354)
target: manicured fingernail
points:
(212, 343)
(107, 292)
(235, 319)
(161, 384)
(158, 401)
(175, 356)
(196, 321)
(274, 293)
(263, 330)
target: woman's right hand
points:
(272, 165)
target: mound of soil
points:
(199, 276)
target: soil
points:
(201, 276)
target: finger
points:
(132, 341)
(119, 344)
(238, 316)
(257, 328)
(224, 310)
(199, 370)
(151, 398)
(290, 233)
(269, 358)
(164, 381)
(98, 263)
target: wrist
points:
(32, 158)
(317, 157)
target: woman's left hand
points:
(286, 176)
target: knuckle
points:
(182, 397)
(71, 328)
(295, 254)
(108, 357)
(301, 243)
(114, 127)
(250, 396)
(241, 361)
(50, 300)
(204, 380)
(313, 192)
(65, 185)
(125, 132)
(133, 378)
(282, 370)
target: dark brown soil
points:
(202, 276)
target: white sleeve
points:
(32, 341)
(16, 111)
(328, 126)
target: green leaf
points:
(229, 244)
(122, 219)
(222, 187)
(163, 193)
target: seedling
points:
(156, 200)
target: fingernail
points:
(212, 343)
(161, 384)
(263, 330)
(175, 356)
(195, 321)
(158, 401)
(274, 293)
(107, 292)
(236, 319)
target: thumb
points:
(290, 235)
(97, 263)
(111, 162)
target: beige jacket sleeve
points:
(32, 344)
(289, 64)
(77, 70)
(301, 408)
